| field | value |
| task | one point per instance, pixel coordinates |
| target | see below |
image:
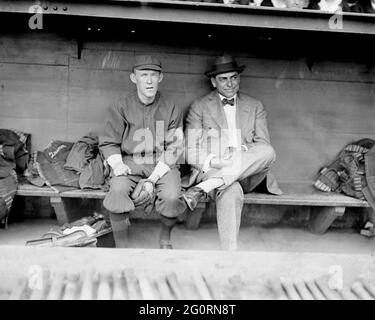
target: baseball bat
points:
(201, 286)
(322, 283)
(303, 291)
(165, 293)
(118, 292)
(215, 293)
(317, 294)
(70, 287)
(104, 290)
(145, 287)
(57, 285)
(131, 284)
(289, 288)
(360, 291)
(346, 294)
(276, 288)
(87, 285)
(175, 286)
(19, 289)
(368, 286)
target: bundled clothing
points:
(86, 159)
(8, 189)
(50, 164)
(352, 172)
(15, 149)
(67, 166)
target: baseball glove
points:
(141, 194)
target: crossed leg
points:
(250, 168)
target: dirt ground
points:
(144, 234)
(264, 254)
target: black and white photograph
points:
(187, 157)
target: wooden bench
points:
(57, 199)
(325, 207)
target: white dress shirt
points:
(230, 114)
(234, 135)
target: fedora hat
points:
(224, 64)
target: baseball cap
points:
(146, 62)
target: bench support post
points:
(322, 217)
(59, 207)
(369, 214)
(193, 218)
(4, 222)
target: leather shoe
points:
(192, 196)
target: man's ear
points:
(213, 82)
(161, 76)
(132, 77)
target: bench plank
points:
(297, 199)
(25, 189)
(296, 194)
(325, 206)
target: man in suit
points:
(228, 145)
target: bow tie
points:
(226, 101)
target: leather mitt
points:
(140, 194)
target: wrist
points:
(160, 170)
(150, 181)
(114, 160)
(153, 178)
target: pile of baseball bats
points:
(363, 288)
(127, 284)
(112, 285)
